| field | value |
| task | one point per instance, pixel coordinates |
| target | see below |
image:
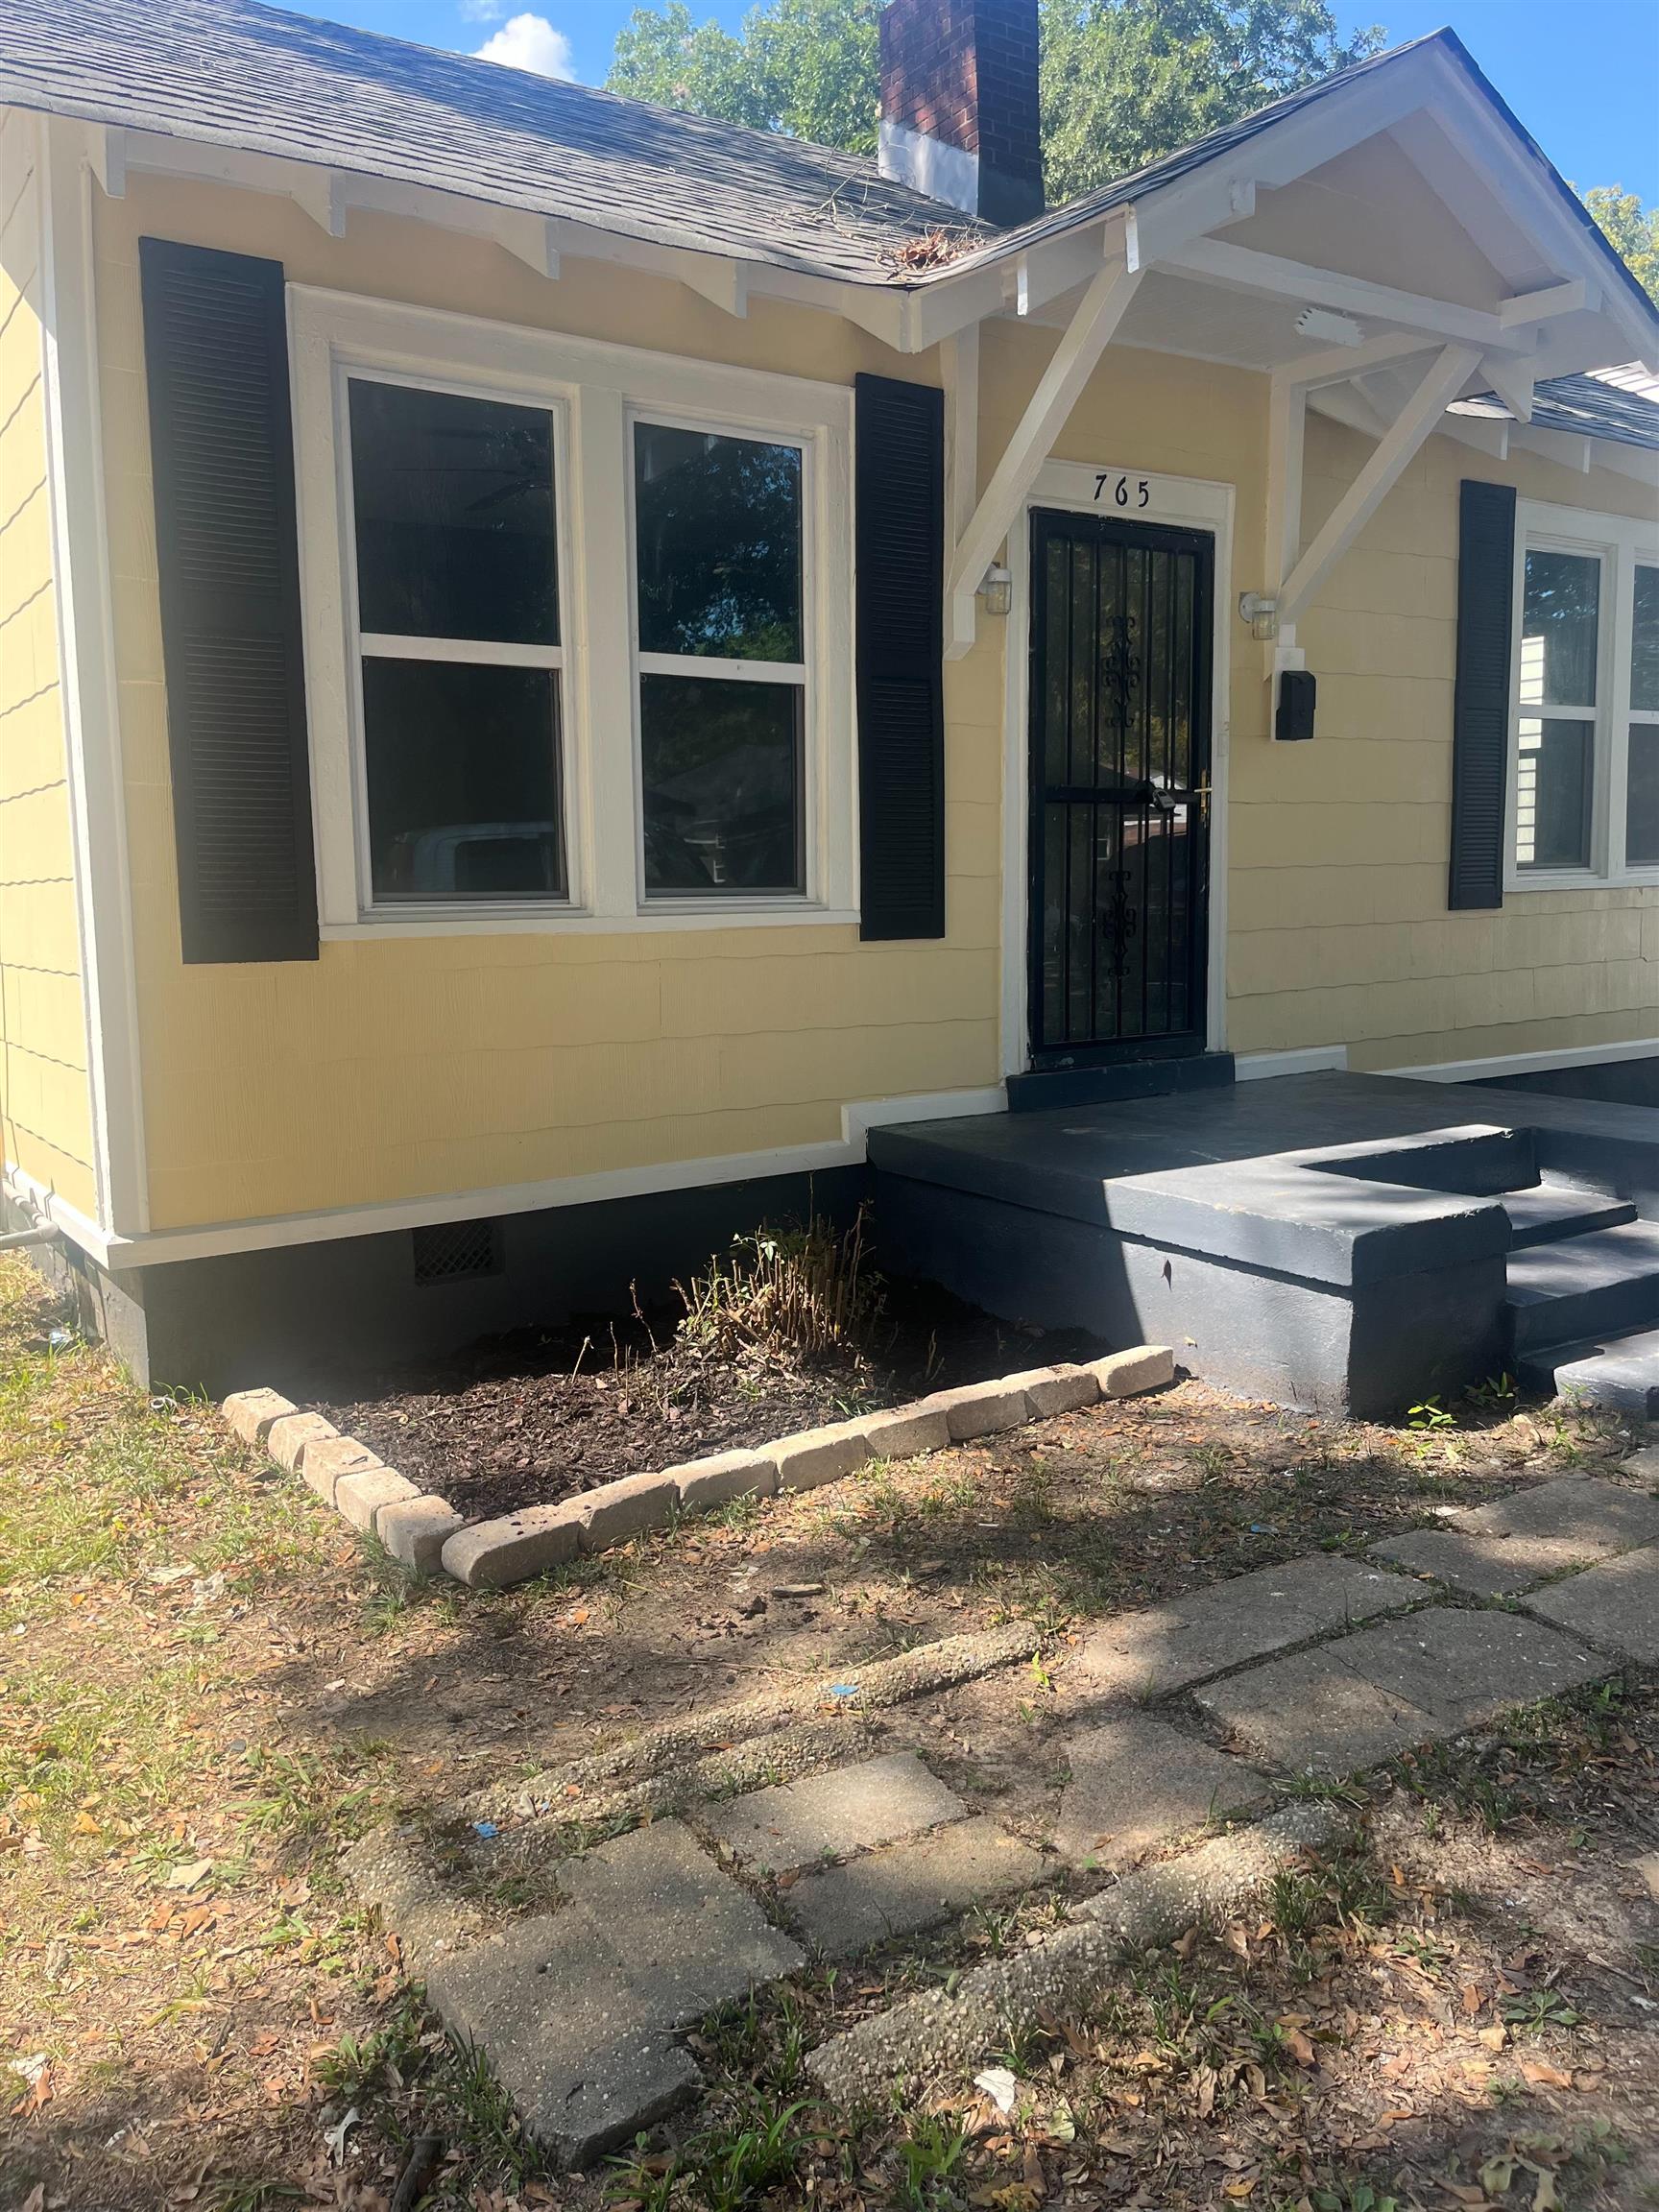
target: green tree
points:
(1127, 80)
(807, 67)
(1631, 229)
(1123, 80)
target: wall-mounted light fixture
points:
(998, 589)
(1262, 612)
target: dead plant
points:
(800, 1292)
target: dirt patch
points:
(541, 1415)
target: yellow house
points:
(562, 662)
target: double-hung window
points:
(718, 552)
(578, 625)
(1584, 796)
(457, 587)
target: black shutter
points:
(1480, 702)
(900, 543)
(216, 351)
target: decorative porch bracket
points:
(1087, 337)
(1405, 438)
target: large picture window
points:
(1585, 767)
(458, 635)
(578, 622)
(718, 544)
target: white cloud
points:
(530, 42)
(482, 11)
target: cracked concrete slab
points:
(910, 1886)
(1615, 1605)
(825, 1817)
(1311, 1715)
(1187, 1639)
(1136, 1783)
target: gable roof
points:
(238, 73)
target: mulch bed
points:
(541, 1415)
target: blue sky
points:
(1583, 75)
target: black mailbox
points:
(1294, 719)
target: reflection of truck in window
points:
(475, 860)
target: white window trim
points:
(593, 391)
(1622, 543)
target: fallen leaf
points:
(1549, 2076)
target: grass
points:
(207, 1687)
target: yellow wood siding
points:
(1339, 927)
(45, 1109)
(389, 1070)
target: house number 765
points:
(1125, 491)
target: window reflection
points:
(1558, 629)
(718, 521)
(454, 508)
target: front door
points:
(1119, 751)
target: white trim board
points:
(1307, 1060)
(272, 1232)
(87, 668)
(1528, 1063)
(1186, 502)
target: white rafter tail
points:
(107, 153)
(723, 283)
(1485, 433)
(1087, 337)
(1564, 446)
(1529, 308)
(322, 194)
(531, 239)
(1405, 437)
(1513, 382)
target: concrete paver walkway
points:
(1320, 1666)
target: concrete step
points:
(1606, 1283)
(1621, 1373)
(1555, 1210)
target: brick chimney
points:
(959, 116)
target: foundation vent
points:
(457, 1251)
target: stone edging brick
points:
(423, 1531)
(412, 1524)
(491, 1554)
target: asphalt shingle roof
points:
(1586, 407)
(236, 73)
(233, 73)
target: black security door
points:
(1120, 625)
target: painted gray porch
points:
(1326, 1241)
